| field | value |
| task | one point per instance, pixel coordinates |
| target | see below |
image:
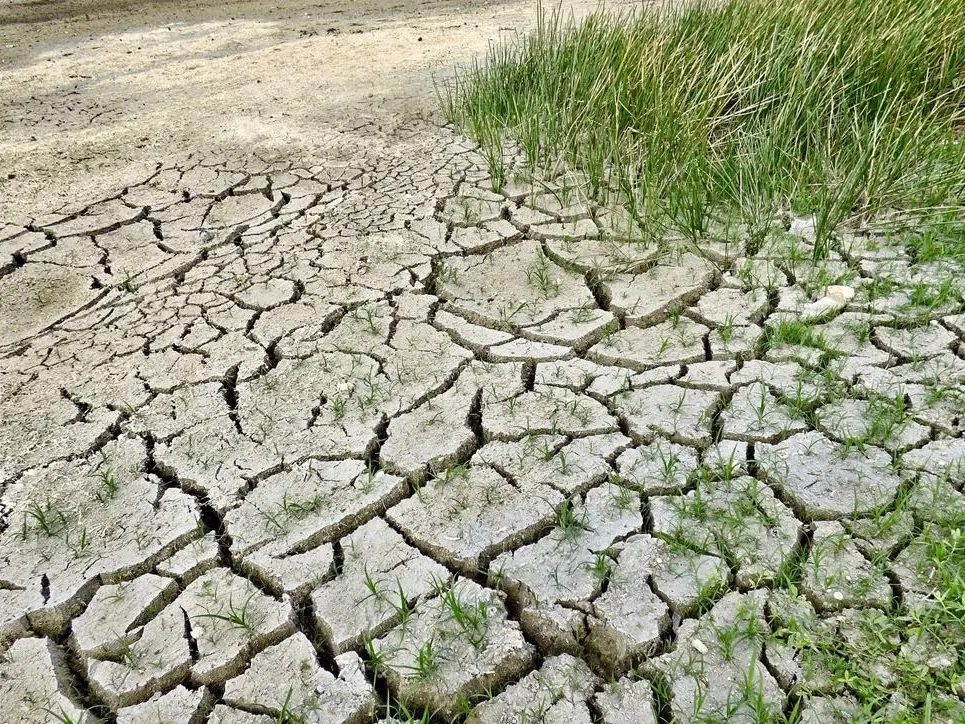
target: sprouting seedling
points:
(665, 345)
(46, 519)
(426, 661)
(562, 464)
(579, 411)
(546, 451)
(376, 657)
(760, 410)
(583, 313)
(286, 715)
(371, 585)
(469, 215)
(453, 472)
(448, 273)
(508, 310)
(62, 717)
(726, 330)
(82, 547)
(472, 619)
(539, 275)
(240, 617)
(568, 521)
(622, 496)
(402, 608)
(107, 485)
(601, 567)
(338, 404)
(669, 464)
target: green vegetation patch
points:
(713, 117)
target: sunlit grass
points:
(705, 118)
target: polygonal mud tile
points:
(683, 415)
(920, 342)
(794, 619)
(880, 422)
(85, 522)
(178, 705)
(528, 350)
(732, 306)
(798, 384)
(738, 519)
(470, 517)
(198, 556)
(552, 579)
(647, 297)
(936, 500)
(734, 342)
(109, 620)
(482, 239)
(295, 574)
(158, 660)
(213, 459)
(222, 714)
(469, 211)
(467, 334)
(38, 424)
(715, 671)
(230, 619)
(926, 567)
(281, 321)
(626, 701)
(826, 480)
(883, 534)
(15, 601)
(286, 677)
(657, 468)
(680, 342)
(581, 375)
(455, 647)
(434, 434)
(628, 620)
(684, 579)
(754, 415)
(602, 255)
(830, 710)
(545, 411)
(942, 369)
(311, 503)
(283, 410)
(380, 579)
(564, 204)
(837, 576)
(576, 328)
(571, 230)
(556, 692)
(713, 375)
(941, 406)
(516, 286)
(944, 457)
(30, 690)
(550, 460)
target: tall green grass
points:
(710, 115)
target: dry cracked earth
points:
(354, 440)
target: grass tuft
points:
(706, 117)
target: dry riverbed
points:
(299, 417)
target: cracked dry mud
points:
(338, 438)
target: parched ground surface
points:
(333, 431)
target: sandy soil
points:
(92, 94)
